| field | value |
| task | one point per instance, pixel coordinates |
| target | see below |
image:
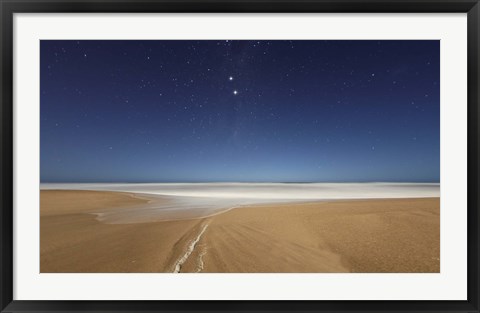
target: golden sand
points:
(72, 241)
(382, 235)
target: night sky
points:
(269, 111)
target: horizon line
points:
(234, 182)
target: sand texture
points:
(384, 235)
(72, 241)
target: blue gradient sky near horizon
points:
(240, 111)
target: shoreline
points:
(151, 201)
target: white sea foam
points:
(193, 200)
(272, 191)
(190, 248)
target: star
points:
(235, 92)
(230, 78)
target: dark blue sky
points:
(276, 111)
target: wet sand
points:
(384, 235)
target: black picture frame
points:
(9, 7)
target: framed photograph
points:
(239, 156)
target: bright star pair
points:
(235, 92)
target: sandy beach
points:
(384, 235)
